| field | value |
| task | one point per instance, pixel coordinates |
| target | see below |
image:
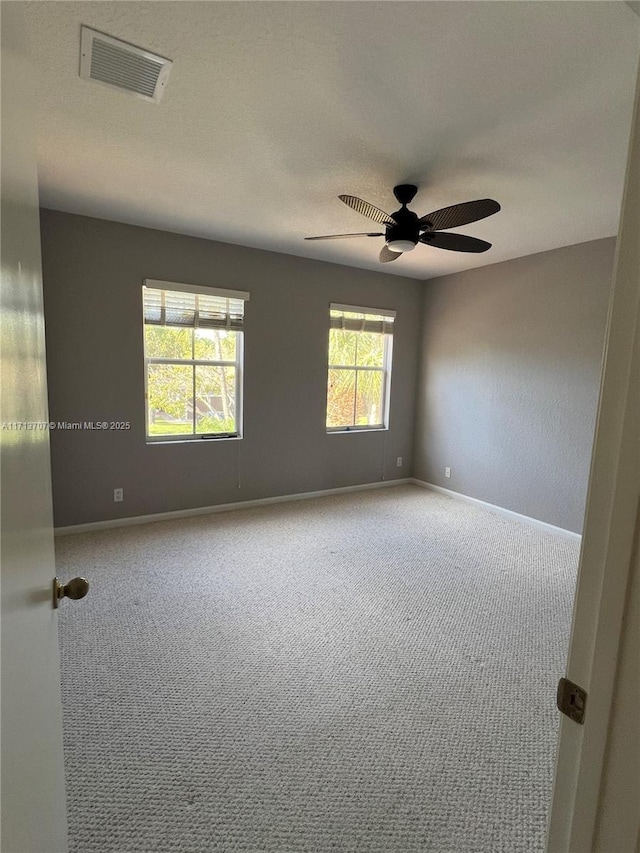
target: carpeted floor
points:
(368, 672)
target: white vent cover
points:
(117, 63)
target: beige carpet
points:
(370, 672)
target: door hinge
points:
(572, 700)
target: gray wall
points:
(93, 272)
(509, 378)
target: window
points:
(360, 344)
(193, 345)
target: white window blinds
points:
(353, 319)
(166, 303)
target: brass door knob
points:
(74, 589)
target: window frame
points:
(238, 364)
(385, 369)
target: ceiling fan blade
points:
(454, 242)
(367, 209)
(459, 214)
(342, 236)
(387, 255)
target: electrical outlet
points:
(447, 472)
(118, 495)
(399, 461)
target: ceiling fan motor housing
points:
(405, 230)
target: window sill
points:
(356, 429)
(165, 441)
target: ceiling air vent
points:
(122, 65)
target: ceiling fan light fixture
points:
(400, 246)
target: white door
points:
(33, 801)
(583, 773)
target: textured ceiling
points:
(274, 108)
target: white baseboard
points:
(551, 528)
(206, 510)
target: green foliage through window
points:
(184, 396)
(356, 388)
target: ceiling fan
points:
(404, 229)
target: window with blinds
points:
(193, 348)
(359, 370)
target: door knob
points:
(74, 589)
